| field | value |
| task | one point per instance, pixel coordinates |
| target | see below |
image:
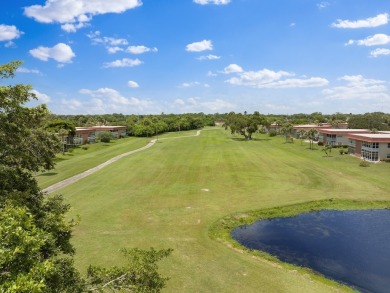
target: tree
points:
(35, 234)
(302, 135)
(286, 130)
(36, 254)
(311, 134)
(245, 125)
(327, 149)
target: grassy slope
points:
(155, 198)
(96, 154)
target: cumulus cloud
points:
(192, 105)
(42, 98)
(375, 40)
(199, 46)
(379, 52)
(9, 32)
(380, 19)
(61, 53)
(266, 78)
(358, 88)
(108, 100)
(140, 49)
(75, 14)
(232, 68)
(125, 62)
(215, 2)
(209, 57)
(132, 84)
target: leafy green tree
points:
(35, 235)
(36, 254)
(245, 125)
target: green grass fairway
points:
(172, 193)
(80, 160)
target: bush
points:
(105, 136)
(272, 133)
(341, 151)
(85, 147)
(386, 160)
(320, 143)
(364, 164)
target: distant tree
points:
(302, 135)
(245, 125)
(327, 149)
(311, 134)
(286, 130)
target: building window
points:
(375, 145)
(370, 156)
(388, 156)
(388, 145)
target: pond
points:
(352, 247)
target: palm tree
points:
(311, 134)
(302, 135)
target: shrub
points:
(364, 164)
(272, 133)
(105, 136)
(85, 147)
(341, 151)
(320, 143)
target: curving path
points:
(84, 174)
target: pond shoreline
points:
(221, 229)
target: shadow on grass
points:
(48, 174)
(253, 139)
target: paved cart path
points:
(84, 174)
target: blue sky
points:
(186, 56)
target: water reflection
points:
(349, 246)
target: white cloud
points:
(209, 57)
(42, 98)
(192, 84)
(107, 100)
(112, 44)
(266, 78)
(113, 50)
(375, 40)
(379, 52)
(323, 5)
(61, 53)
(132, 84)
(72, 27)
(358, 88)
(192, 105)
(215, 2)
(232, 68)
(211, 74)
(26, 70)
(74, 14)
(72, 104)
(378, 20)
(9, 32)
(140, 49)
(199, 46)
(125, 62)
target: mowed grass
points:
(80, 160)
(171, 194)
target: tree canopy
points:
(246, 124)
(36, 254)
